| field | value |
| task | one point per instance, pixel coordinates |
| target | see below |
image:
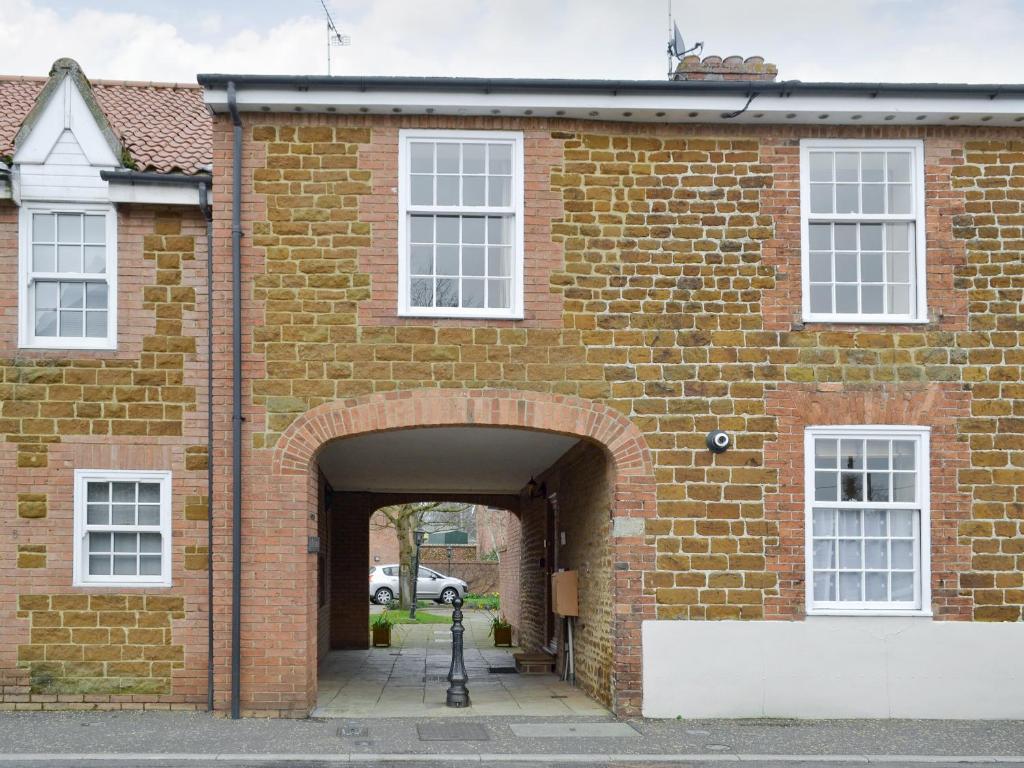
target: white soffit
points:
(442, 459)
(803, 108)
(148, 193)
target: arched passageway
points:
(590, 462)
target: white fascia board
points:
(124, 191)
(767, 107)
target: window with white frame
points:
(68, 270)
(862, 217)
(461, 224)
(867, 519)
(122, 528)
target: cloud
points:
(886, 40)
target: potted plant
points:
(502, 631)
(380, 629)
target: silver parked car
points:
(432, 585)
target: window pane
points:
(872, 270)
(96, 295)
(847, 166)
(123, 514)
(821, 298)
(498, 294)
(871, 237)
(877, 454)
(99, 565)
(901, 522)
(824, 522)
(500, 158)
(903, 452)
(43, 228)
(97, 492)
(123, 491)
(821, 166)
(821, 267)
(97, 514)
(69, 227)
(499, 261)
(447, 293)
(852, 486)
(149, 514)
(473, 260)
(849, 553)
(824, 554)
(447, 190)
(875, 522)
(421, 157)
(125, 565)
(849, 522)
(448, 158)
(421, 293)
(421, 190)
(46, 322)
(846, 267)
(474, 230)
(899, 198)
(43, 258)
(149, 542)
(474, 190)
(871, 298)
(421, 229)
(474, 158)
(876, 587)
(149, 565)
(899, 166)
(820, 236)
(72, 323)
(126, 542)
(821, 198)
(825, 454)
(499, 230)
(447, 229)
(499, 190)
(825, 488)
(903, 486)
(825, 587)
(897, 237)
(903, 587)
(845, 237)
(876, 554)
(422, 260)
(851, 454)
(874, 198)
(69, 258)
(72, 295)
(849, 586)
(899, 299)
(96, 325)
(472, 293)
(99, 542)
(903, 554)
(447, 260)
(872, 166)
(846, 299)
(878, 486)
(846, 198)
(95, 229)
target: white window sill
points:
(850, 320)
(121, 584)
(895, 613)
(35, 347)
(457, 315)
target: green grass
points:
(487, 602)
(402, 617)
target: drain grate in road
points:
(452, 732)
(352, 731)
(502, 670)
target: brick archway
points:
(633, 491)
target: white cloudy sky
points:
(172, 40)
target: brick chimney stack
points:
(729, 68)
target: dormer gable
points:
(65, 141)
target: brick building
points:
(541, 296)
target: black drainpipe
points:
(236, 407)
(204, 206)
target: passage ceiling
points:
(442, 459)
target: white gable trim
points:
(66, 111)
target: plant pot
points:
(381, 637)
(503, 636)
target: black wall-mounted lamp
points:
(535, 490)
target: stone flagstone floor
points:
(408, 679)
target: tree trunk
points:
(406, 552)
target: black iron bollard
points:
(458, 693)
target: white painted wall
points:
(834, 667)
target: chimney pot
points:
(692, 67)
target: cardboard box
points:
(565, 596)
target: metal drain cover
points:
(353, 730)
(452, 732)
(502, 670)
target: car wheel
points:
(448, 595)
(383, 596)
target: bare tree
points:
(431, 516)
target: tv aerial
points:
(334, 38)
(676, 45)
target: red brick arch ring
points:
(634, 494)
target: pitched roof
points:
(164, 126)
